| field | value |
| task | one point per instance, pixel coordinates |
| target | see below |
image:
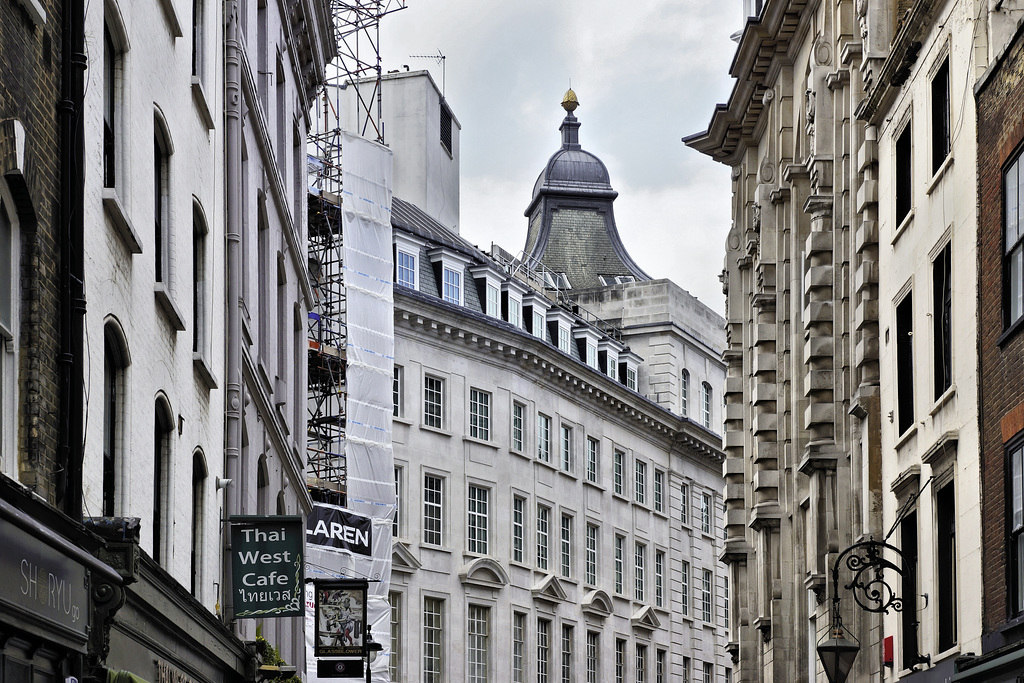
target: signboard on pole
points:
(340, 618)
(340, 529)
(267, 566)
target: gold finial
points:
(569, 102)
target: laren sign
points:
(267, 566)
(334, 527)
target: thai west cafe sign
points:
(267, 566)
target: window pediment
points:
(597, 603)
(484, 571)
(402, 559)
(645, 618)
(549, 588)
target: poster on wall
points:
(267, 568)
(340, 618)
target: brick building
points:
(1000, 137)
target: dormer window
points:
(587, 339)
(452, 266)
(535, 308)
(629, 366)
(608, 354)
(489, 288)
(407, 251)
(512, 292)
(560, 321)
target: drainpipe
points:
(70, 449)
(233, 272)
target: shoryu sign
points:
(267, 566)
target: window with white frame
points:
(640, 482)
(479, 414)
(518, 647)
(567, 638)
(543, 524)
(566, 546)
(684, 393)
(641, 663)
(686, 670)
(538, 324)
(684, 586)
(405, 269)
(451, 290)
(433, 509)
(564, 339)
(593, 655)
(543, 649)
(396, 391)
(518, 527)
(684, 503)
(725, 601)
(706, 405)
(433, 402)
(620, 549)
(396, 526)
(433, 639)
(639, 571)
(492, 301)
(478, 629)
(592, 356)
(659, 491)
(515, 312)
(590, 570)
(518, 422)
(706, 511)
(620, 660)
(566, 450)
(659, 578)
(618, 463)
(659, 666)
(593, 456)
(477, 520)
(543, 438)
(707, 596)
(708, 673)
(1013, 242)
(397, 652)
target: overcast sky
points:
(646, 73)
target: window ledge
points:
(661, 513)
(436, 430)
(595, 485)
(944, 399)
(199, 98)
(436, 548)
(568, 475)
(1011, 331)
(906, 436)
(473, 439)
(203, 369)
(401, 420)
(168, 307)
(902, 227)
(119, 217)
(939, 173)
(545, 463)
(519, 454)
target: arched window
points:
(199, 476)
(115, 362)
(262, 487)
(199, 279)
(162, 236)
(163, 428)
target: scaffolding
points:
(358, 70)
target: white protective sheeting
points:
(366, 226)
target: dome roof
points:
(573, 170)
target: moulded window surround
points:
(940, 101)
(707, 596)
(479, 414)
(590, 560)
(396, 525)
(518, 647)
(115, 47)
(543, 650)
(433, 640)
(567, 641)
(905, 363)
(640, 572)
(946, 565)
(705, 395)
(708, 673)
(620, 559)
(161, 202)
(397, 388)
(706, 512)
(478, 627)
(942, 320)
(405, 269)
(518, 426)
(904, 173)
(641, 663)
(593, 459)
(566, 448)
(640, 482)
(200, 284)
(684, 393)
(687, 668)
(543, 438)
(198, 38)
(115, 364)
(618, 467)
(543, 534)
(593, 655)
(163, 428)
(1013, 242)
(659, 578)
(566, 546)
(659, 490)
(477, 520)
(397, 655)
(909, 618)
(197, 540)
(684, 503)
(684, 586)
(433, 509)
(433, 402)
(620, 660)
(518, 528)
(659, 667)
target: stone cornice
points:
(575, 379)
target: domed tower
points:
(572, 227)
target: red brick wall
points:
(30, 64)
(1000, 133)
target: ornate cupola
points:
(572, 227)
